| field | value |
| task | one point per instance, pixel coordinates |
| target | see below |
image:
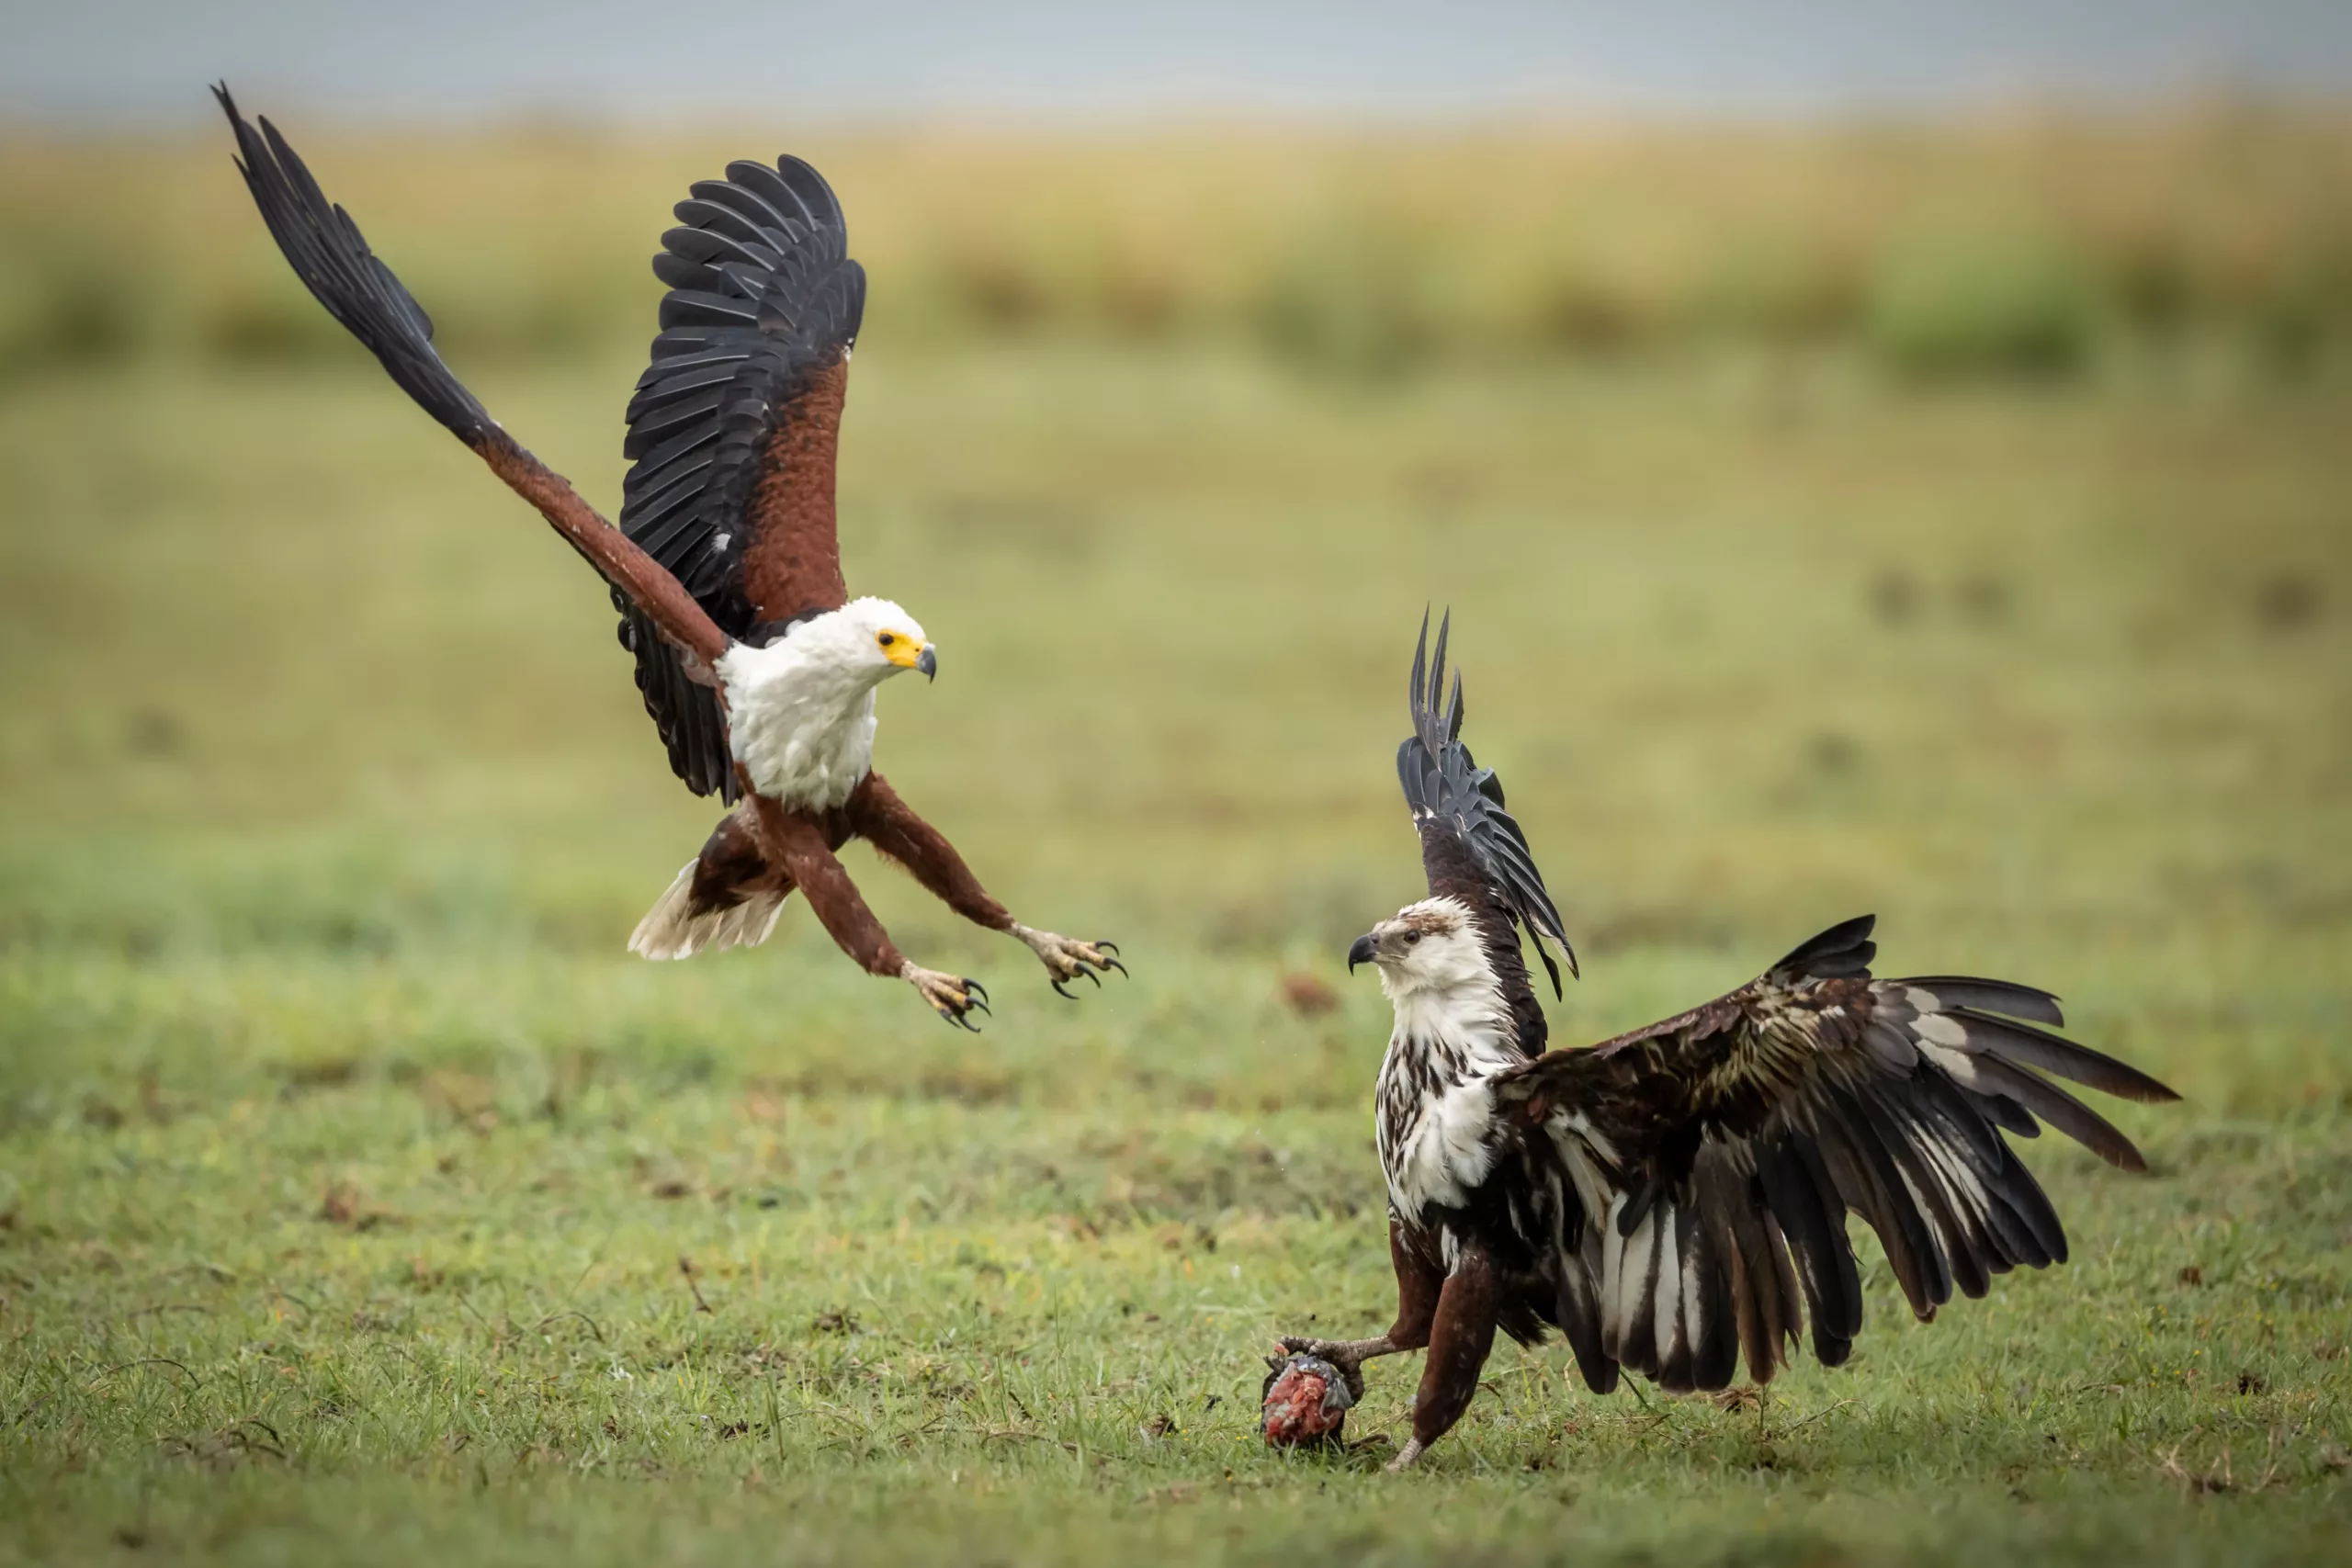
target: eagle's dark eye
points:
(1413, 937)
(887, 639)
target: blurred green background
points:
(1950, 518)
(1949, 522)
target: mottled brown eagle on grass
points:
(1674, 1200)
(758, 669)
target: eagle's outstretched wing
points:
(1471, 847)
(1720, 1151)
(328, 253)
(733, 428)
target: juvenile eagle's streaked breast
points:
(1435, 1124)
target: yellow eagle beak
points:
(908, 654)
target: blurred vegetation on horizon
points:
(2036, 246)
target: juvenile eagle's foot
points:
(1065, 959)
(1406, 1457)
(950, 996)
(1348, 1355)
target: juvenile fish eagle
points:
(1676, 1198)
(758, 669)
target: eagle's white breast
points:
(800, 713)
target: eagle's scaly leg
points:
(1066, 958)
(890, 824)
(800, 845)
(1460, 1336)
(1418, 1287)
(951, 996)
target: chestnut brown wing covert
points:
(733, 429)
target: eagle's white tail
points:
(671, 929)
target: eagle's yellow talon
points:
(949, 996)
(1066, 958)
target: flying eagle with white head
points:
(758, 668)
(1675, 1200)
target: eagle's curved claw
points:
(1067, 959)
(949, 996)
(1348, 1355)
(1345, 1354)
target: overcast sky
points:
(109, 62)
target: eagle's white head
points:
(1429, 948)
(872, 638)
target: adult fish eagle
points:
(758, 669)
(1676, 1198)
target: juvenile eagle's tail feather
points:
(674, 929)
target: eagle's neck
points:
(1434, 1111)
(801, 718)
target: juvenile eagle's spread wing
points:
(1717, 1154)
(733, 429)
(1471, 849)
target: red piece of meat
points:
(1306, 1400)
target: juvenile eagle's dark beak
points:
(1361, 953)
(928, 663)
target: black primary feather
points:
(332, 258)
(763, 297)
(1452, 797)
(1843, 951)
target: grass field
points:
(360, 1199)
